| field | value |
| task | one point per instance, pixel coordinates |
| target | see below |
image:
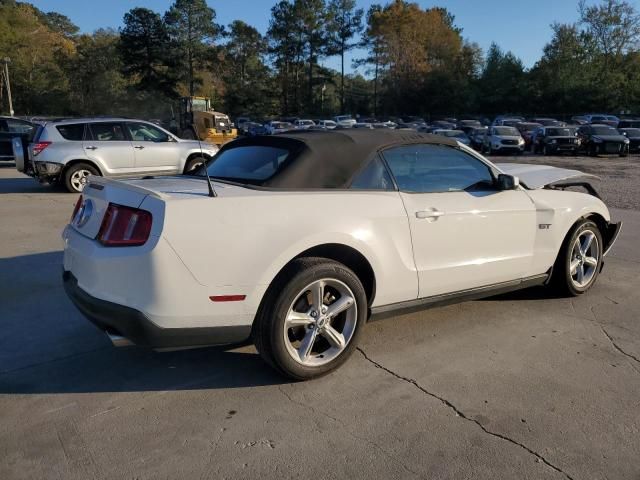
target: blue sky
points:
(517, 25)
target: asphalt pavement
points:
(517, 386)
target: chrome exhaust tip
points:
(118, 340)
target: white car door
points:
(466, 233)
(155, 149)
(107, 144)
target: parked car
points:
(500, 139)
(467, 125)
(253, 129)
(633, 134)
(275, 127)
(526, 129)
(458, 135)
(412, 122)
(143, 266)
(303, 124)
(344, 121)
(242, 124)
(328, 124)
(547, 122)
(11, 128)
(629, 123)
(507, 120)
(437, 125)
(602, 119)
(602, 139)
(477, 137)
(68, 151)
(555, 140)
(579, 120)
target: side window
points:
(16, 126)
(374, 177)
(437, 168)
(74, 132)
(143, 132)
(107, 132)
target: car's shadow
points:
(46, 346)
(27, 185)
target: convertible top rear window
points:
(253, 164)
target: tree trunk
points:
(342, 77)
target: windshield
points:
(506, 131)
(199, 105)
(604, 131)
(561, 132)
(247, 164)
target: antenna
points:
(212, 192)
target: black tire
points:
(193, 163)
(269, 323)
(71, 174)
(562, 280)
(625, 151)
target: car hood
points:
(539, 176)
(506, 137)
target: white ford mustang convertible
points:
(297, 241)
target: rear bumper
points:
(138, 328)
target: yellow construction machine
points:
(197, 120)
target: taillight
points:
(76, 208)
(124, 226)
(39, 147)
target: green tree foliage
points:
(415, 61)
(247, 79)
(345, 22)
(192, 30)
(146, 54)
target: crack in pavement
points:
(348, 432)
(615, 346)
(461, 414)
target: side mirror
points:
(507, 182)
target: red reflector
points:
(39, 147)
(124, 226)
(76, 208)
(227, 298)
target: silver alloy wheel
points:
(79, 179)
(584, 258)
(320, 322)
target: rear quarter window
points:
(74, 132)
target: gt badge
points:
(544, 226)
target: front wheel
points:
(579, 260)
(625, 151)
(311, 318)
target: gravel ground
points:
(619, 177)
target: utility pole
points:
(7, 61)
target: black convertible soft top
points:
(330, 159)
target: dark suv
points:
(555, 140)
(633, 134)
(602, 139)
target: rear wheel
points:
(75, 177)
(311, 318)
(579, 260)
(193, 163)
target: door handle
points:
(431, 213)
(139, 147)
(91, 148)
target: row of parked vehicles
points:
(67, 151)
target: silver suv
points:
(68, 151)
